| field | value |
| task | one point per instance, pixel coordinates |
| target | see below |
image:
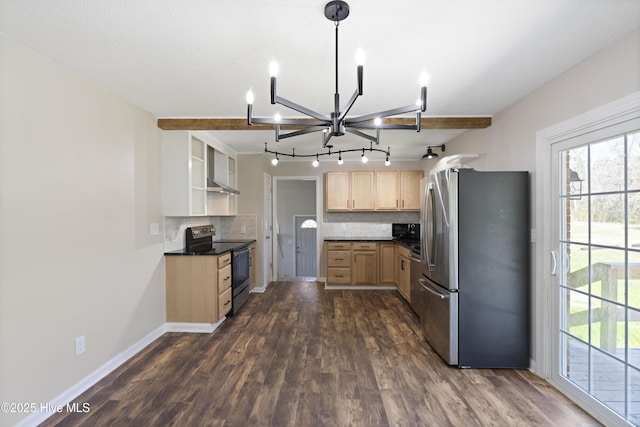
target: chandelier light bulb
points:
(274, 161)
(250, 97)
(359, 56)
(274, 68)
(277, 117)
(387, 162)
(364, 158)
(424, 79)
(340, 161)
(315, 163)
(377, 121)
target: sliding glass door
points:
(596, 263)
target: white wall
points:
(80, 186)
(510, 143)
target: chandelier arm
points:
(301, 109)
(325, 139)
(362, 135)
(402, 110)
(290, 122)
(347, 107)
(382, 126)
(301, 132)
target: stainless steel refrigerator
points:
(471, 287)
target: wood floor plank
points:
(300, 355)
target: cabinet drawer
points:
(339, 275)
(224, 279)
(224, 260)
(339, 258)
(364, 246)
(224, 303)
(337, 246)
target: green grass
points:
(604, 234)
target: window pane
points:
(576, 266)
(576, 314)
(633, 160)
(576, 361)
(575, 227)
(633, 217)
(608, 326)
(608, 273)
(607, 165)
(608, 381)
(574, 172)
(634, 396)
(634, 338)
(607, 220)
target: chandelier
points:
(337, 122)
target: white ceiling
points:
(198, 58)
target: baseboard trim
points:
(199, 328)
(360, 288)
(84, 384)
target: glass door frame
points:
(593, 125)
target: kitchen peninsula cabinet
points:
(368, 191)
(404, 274)
(198, 288)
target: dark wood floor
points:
(299, 355)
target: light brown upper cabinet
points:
(388, 190)
(349, 191)
(410, 190)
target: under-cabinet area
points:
(367, 263)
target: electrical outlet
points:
(243, 229)
(154, 229)
(81, 345)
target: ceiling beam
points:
(241, 124)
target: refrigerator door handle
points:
(555, 263)
(426, 286)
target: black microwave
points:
(405, 231)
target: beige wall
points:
(76, 163)
(510, 143)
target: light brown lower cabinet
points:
(404, 276)
(387, 263)
(198, 288)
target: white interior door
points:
(267, 232)
(305, 229)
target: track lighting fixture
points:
(316, 161)
(430, 154)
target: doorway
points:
(296, 253)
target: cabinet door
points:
(387, 272)
(362, 191)
(337, 191)
(387, 189)
(404, 277)
(364, 267)
(410, 190)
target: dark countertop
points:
(218, 247)
(413, 245)
(357, 239)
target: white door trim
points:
(545, 311)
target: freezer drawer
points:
(439, 319)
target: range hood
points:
(217, 173)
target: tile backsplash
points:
(239, 227)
